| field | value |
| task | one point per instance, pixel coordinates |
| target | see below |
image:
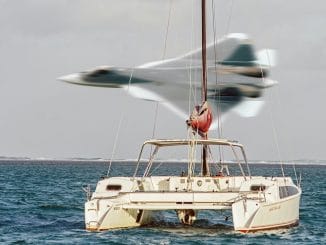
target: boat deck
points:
(157, 200)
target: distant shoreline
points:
(130, 161)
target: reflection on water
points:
(208, 223)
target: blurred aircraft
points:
(236, 78)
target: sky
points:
(42, 40)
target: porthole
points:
(199, 183)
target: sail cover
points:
(200, 119)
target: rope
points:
(191, 153)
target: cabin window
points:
(97, 73)
(113, 187)
(257, 188)
(286, 191)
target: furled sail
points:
(201, 119)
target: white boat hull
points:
(103, 215)
(250, 215)
(133, 205)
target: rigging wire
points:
(157, 103)
(167, 29)
(219, 119)
(280, 106)
(155, 119)
(216, 59)
(163, 57)
(216, 72)
(191, 97)
(276, 140)
(118, 131)
(293, 163)
(192, 91)
(115, 144)
(230, 16)
(275, 135)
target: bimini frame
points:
(157, 143)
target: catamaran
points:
(256, 202)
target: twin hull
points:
(257, 203)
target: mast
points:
(203, 54)
(205, 167)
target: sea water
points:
(42, 202)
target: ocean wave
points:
(58, 207)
